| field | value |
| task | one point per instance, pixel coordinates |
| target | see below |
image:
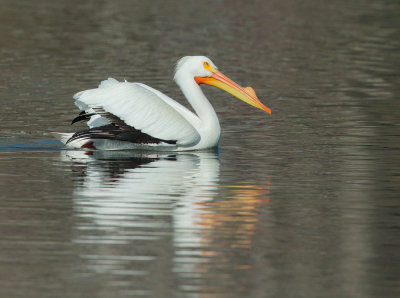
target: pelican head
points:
(204, 71)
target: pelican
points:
(123, 115)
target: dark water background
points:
(304, 203)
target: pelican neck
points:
(195, 96)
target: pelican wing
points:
(142, 108)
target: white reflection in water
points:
(122, 197)
(113, 192)
(151, 204)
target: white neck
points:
(210, 128)
(196, 98)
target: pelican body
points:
(123, 115)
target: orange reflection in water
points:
(226, 227)
(234, 217)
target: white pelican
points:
(123, 115)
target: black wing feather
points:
(82, 116)
(118, 130)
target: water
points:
(297, 204)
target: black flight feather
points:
(118, 130)
(82, 116)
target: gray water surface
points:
(302, 203)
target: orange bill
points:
(245, 94)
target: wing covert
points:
(140, 108)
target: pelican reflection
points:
(136, 210)
(115, 188)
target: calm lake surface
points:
(302, 203)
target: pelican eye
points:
(207, 66)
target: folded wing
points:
(140, 107)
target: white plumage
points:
(140, 107)
(123, 115)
